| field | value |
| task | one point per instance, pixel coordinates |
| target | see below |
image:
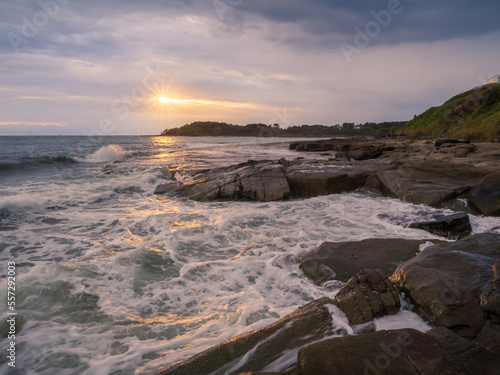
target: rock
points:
(441, 142)
(486, 195)
(368, 296)
(316, 180)
(403, 351)
(166, 188)
(365, 152)
(468, 356)
(449, 226)
(263, 346)
(343, 260)
(406, 351)
(445, 282)
(263, 181)
(459, 151)
(428, 182)
(490, 300)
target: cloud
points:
(269, 55)
(10, 123)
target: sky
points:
(106, 67)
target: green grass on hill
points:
(474, 115)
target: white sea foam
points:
(21, 201)
(168, 278)
(107, 154)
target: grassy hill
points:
(474, 115)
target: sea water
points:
(112, 279)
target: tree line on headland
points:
(474, 115)
(222, 129)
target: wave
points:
(21, 201)
(108, 154)
(33, 162)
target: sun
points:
(164, 99)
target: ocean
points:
(111, 279)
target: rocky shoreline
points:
(455, 286)
(459, 176)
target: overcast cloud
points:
(75, 67)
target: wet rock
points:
(166, 188)
(430, 182)
(343, 260)
(367, 296)
(445, 282)
(441, 142)
(449, 226)
(468, 356)
(316, 180)
(490, 299)
(263, 346)
(403, 351)
(365, 152)
(263, 181)
(486, 195)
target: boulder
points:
(490, 299)
(404, 351)
(486, 195)
(458, 150)
(365, 152)
(343, 260)
(450, 226)
(261, 347)
(367, 296)
(468, 356)
(432, 183)
(445, 282)
(262, 181)
(441, 142)
(313, 180)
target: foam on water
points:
(108, 154)
(115, 279)
(21, 201)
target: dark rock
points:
(428, 182)
(486, 195)
(406, 351)
(468, 356)
(459, 151)
(368, 296)
(306, 324)
(316, 180)
(445, 282)
(166, 187)
(441, 142)
(312, 146)
(343, 260)
(490, 300)
(449, 226)
(365, 152)
(263, 181)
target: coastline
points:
(454, 175)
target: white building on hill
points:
(495, 79)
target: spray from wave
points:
(108, 154)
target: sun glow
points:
(164, 99)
